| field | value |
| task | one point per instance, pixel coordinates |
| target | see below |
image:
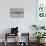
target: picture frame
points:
(17, 12)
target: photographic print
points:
(16, 12)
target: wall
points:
(23, 23)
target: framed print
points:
(41, 12)
(17, 12)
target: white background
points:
(23, 23)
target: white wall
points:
(23, 23)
